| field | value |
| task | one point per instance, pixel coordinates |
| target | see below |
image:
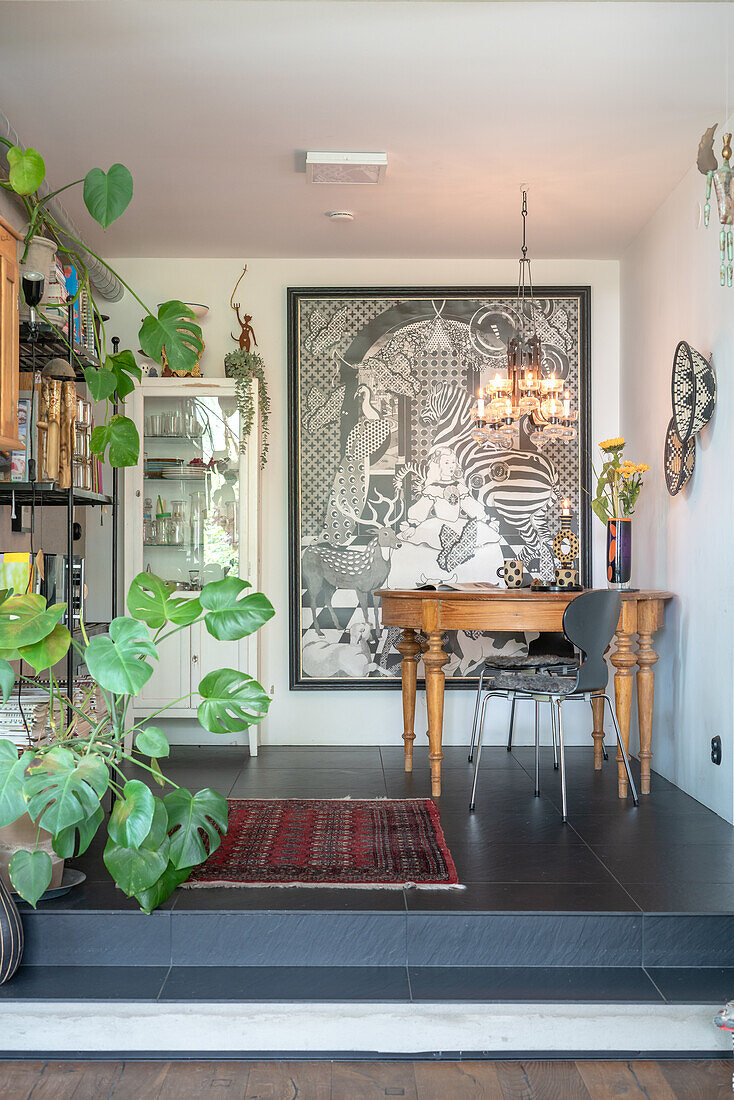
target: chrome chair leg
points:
(480, 730)
(563, 762)
(555, 736)
(620, 742)
(512, 724)
(476, 713)
(537, 748)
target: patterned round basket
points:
(680, 458)
(693, 389)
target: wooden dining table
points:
(433, 613)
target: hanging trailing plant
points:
(247, 367)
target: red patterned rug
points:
(330, 842)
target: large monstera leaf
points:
(30, 874)
(232, 701)
(132, 815)
(162, 889)
(176, 330)
(49, 651)
(25, 620)
(151, 600)
(63, 789)
(12, 770)
(75, 839)
(27, 170)
(7, 679)
(136, 869)
(121, 436)
(116, 660)
(107, 195)
(228, 614)
(190, 815)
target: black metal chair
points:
(589, 623)
(549, 652)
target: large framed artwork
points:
(388, 487)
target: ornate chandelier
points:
(524, 391)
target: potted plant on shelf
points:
(154, 840)
(106, 196)
(618, 487)
(248, 369)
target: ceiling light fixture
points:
(525, 391)
(346, 167)
(340, 215)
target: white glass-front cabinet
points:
(191, 516)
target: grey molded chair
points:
(550, 652)
(589, 623)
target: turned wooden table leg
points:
(646, 660)
(597, 707)
(434, 659)
(624, 660)
(409, 647)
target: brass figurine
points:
(247, 335)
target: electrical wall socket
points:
(715, 750)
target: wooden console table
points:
(499, 609)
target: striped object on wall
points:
(11, 935)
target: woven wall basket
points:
(693, 390)
(680, 459)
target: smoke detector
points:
(340, 215)
(345, 167)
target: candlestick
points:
(565, 508)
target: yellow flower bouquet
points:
(618, 483)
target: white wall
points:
(321, 717)
(669, 292)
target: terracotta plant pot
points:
(22, 834)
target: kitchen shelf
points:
(190, 438)
(51, 344)
(175, 545)
(49, 495)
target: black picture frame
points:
(295, 295)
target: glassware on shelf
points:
(178, 522)
(192, 427)
(195, 537)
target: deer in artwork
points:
(361, 569)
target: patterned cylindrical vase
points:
(11, 935)
(619, 552)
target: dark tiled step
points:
(373, 985)
(422, 935)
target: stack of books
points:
(53, 307)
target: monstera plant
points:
(153, 839)
(106, 196)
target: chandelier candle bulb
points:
(480, 404)
(566, 508)
(567, 406)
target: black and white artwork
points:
(389, 488)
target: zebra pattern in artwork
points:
(521, 486)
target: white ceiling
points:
(597, 107)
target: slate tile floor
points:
(669, 864)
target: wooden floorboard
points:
(427, 1080)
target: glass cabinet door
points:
(191, 488)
